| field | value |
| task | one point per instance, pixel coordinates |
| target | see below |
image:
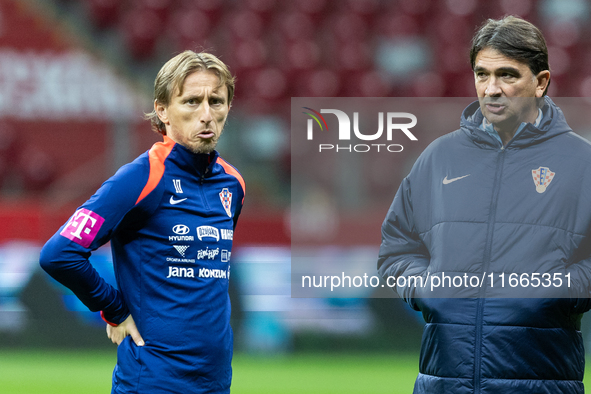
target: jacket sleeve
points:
(239, 206)
(65, 255)
(580, 278)
(402, 253)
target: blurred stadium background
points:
(75, 78)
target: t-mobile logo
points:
(83, 227)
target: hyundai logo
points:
(180, 229)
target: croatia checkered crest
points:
(542, 178)
(226, 198)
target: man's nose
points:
(493, 89)
(206, 113)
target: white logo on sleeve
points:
(83, 227)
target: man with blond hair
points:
(170, 217)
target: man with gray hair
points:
(170, 216)
(507, 195)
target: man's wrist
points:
(107, 321)
(114, 319)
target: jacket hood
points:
(553, 123)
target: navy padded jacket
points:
(495, 218)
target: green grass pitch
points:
(89, 372)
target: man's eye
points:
(191, 101)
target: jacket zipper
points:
(205, 203)
(487, 257)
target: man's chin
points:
(206, 147)
(495, 118)
(500, 118)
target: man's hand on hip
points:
(127, 327)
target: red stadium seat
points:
(452, 30)
(301, 55)
(295, 26)
(10, 147)
(429, 84)
(319, 83)
(10, 142)
(348, 26)
(354, 56)
(311, 6)
(585, 87)
(249, 54)
(270, 84)
(563, 86)
(261, 6)
(190, 29)
(461, 7)
(264, 8)
(141, 29)
(396, 24)
(214, 9)
(4, 170)
(296, 59)
(318, 10)
(415, 7)
(522, 8)
(564, 33)
(559, 59)
(452, 58)
(104, 13)
(37, 169)
(459, 84)
(162, 8)
(366, 9)
(245, 25)
(367, 83)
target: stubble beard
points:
(200, 146)
(204, 146)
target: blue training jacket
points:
(470, 205)
(170, 217)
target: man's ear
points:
(543, 79)
(161, 112)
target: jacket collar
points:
(552, 124)
(202, 163)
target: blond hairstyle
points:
(173, 74)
